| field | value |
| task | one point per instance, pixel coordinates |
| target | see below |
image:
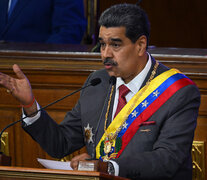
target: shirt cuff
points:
(116, 167)
(30, 120)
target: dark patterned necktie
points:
(123, 91)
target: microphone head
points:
(112, 80)
(95, 81)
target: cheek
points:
(121, 57)
(127, 60)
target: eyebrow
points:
(111, 39)
(116, 39)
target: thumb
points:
(18, 71)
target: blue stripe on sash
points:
(150, 99)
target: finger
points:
(11, 84)
(82, 156)
(74, 164)
(5, 80)
(75, 161)
(2, 78)
(85, 156)
(76, 158)
(18, 71)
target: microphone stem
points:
(63, 98)
(40, 110)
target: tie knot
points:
(123, 91)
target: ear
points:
(141, 45)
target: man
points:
(148, 138)
(48, 21)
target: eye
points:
(115, 45)
(102, 44)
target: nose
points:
(106, 52)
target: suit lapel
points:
(17, 10)
(3, 14)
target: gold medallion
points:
(107, 147)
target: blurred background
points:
(174, 23)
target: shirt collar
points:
(135, 84)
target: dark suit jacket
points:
(164, 152)
(52, 21)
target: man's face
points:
(119, 55)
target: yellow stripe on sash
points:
(135, 101)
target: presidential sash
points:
(138, 110)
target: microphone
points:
(93, 82)
(112, 82)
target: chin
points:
(112, 74)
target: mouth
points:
(108, 65)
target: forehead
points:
(112, 33)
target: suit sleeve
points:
(58, 140)
(68, 22)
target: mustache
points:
(110, 61)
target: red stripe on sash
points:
(151, 109)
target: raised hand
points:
(19, 87)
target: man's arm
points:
(59, 140)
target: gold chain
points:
(107, 112)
